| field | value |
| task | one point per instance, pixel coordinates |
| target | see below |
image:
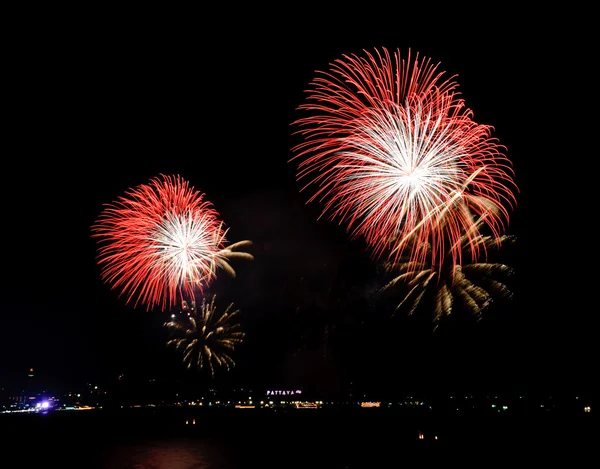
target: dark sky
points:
(96, 107)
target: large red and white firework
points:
(392, 152)
(162, 242)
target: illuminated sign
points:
(283, 392)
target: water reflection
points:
(299, 440)
(179, 453)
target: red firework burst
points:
(160, 242)
(392, 152)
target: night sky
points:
(96, 108)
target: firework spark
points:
(205, 337)
(162, 241)
(393, 153)
(471, 287)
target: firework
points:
(204, 336)
(162, 242)
(392, 152)
(471, 287)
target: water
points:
(234, 439)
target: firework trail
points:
(471, 286)
(393, 153)
(162, 242)
(205, 337)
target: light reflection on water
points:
(189, 443)
(182, 449)
(306, 440)
(179, 453)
